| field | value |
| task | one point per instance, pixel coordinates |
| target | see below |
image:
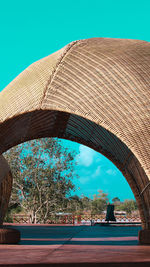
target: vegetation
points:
(128, 206)
(99, 202)
(43, 172)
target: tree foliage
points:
(43, 172)
(129, 205)
(99, 202)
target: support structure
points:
(95, 92)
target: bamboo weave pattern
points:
(95, 92)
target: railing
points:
(21, 218)
(77, 219)
(101, 219)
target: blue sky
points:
(97, 172)
(32, 29)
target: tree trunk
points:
(33, 217)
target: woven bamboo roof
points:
(95, 92)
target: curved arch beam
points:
(68, 126)
(5, 187)
(103, 81)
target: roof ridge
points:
(67, 49)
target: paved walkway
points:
(76, 246)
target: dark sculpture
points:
(110, 213)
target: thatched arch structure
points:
(5, 187)
(93, 91)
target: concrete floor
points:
(75, 246)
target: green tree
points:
(116, 201)
(86, 203)
(74, 204)
(43, 171)
(128, 205)
(99, 202)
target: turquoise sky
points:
(32, 29)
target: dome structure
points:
(95, 92)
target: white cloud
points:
(97, 172)
(111, 172)
(85, 157)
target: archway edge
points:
(116, 71)
(59, 131)
(5, 187)
(103, 80)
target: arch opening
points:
(90, 91)
(52, 123)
